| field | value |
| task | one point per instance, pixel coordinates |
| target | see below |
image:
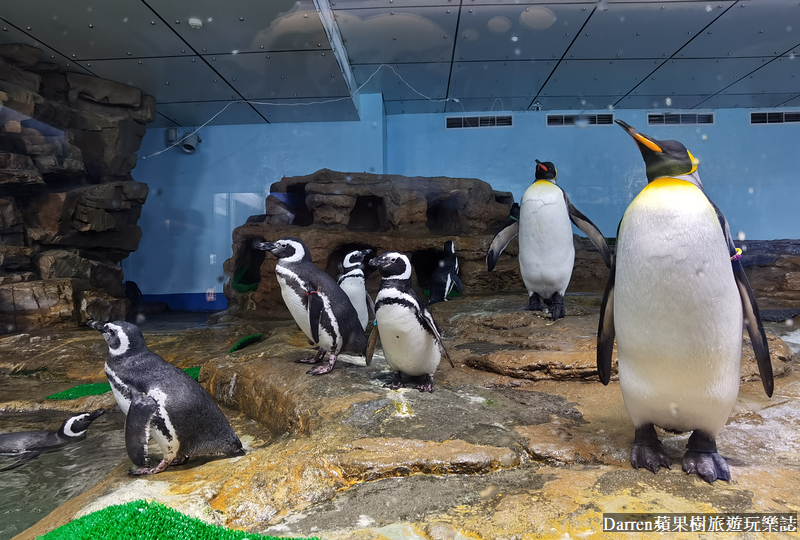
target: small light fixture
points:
(190, 143)
(172, 137)
(195, 23)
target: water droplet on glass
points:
(708, 8)
(704, 137)
(668, 102)
(740, 236)
(750, 190)
(140, 318)
(673, 409)
(789, 322)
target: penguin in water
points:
(445, 277)
(352, 283)
(161, 400)
(411, 341)
(675, 301)
(29, 445)
(546, 251)
(318, 305)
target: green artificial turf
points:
(95, 389)
(143, 520)
(243, 287)
(245, 341)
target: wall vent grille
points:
(461, 122)
(774, 117)
(580, 119)
(679, 119)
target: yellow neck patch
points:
(668, 182)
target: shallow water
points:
(30, 492)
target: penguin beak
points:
(377, 262)
(264, 246)
(96, 414)
(646, 144)
(540, 166)
(97, 325)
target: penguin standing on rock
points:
(352, 283)
(546, 250)
(161, 400)
(318, 305)
(29, 445)
(410, 338)
(675, 301)
(445, 277)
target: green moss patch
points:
(243, 287)
(96, 389)
(245, 341)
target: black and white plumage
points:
(162, 401)
(445, 277)
(318, 305)
(351, 280)
(411, 341)
(29, 445)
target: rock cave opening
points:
(247, 273)
(333, 267)
(444, 215)
(295, 197)
(368, 214)
(425, 261)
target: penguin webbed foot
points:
(146, 471)
(180, 460)
(311, 359)
(535, 303)
(427, 384)
(701, 458)
(323, 369)
(647, 451)
(556, 307)
(396, 383)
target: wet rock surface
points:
(487, 455)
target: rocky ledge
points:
(518, 441)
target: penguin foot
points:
(556, 307)
(326, 368)
(427, 385)
(144, 471)
(709, 467)
(535, 303)
(649, 457)
(180, 460)
(396, 382)
(311, 359)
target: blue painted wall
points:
(197, 200)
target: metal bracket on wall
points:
(332, 29)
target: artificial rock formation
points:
(68, 205)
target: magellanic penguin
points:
(674, 301)
(29, 445)
(351, 280)
(162, 401)
(546, 250)
(409, 336)
(445, 277)
(318, 305)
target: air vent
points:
(579, 120)
(774, 117)
(460, 122)
(680, 119)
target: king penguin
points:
(161, 400)
(318, 305)
(28, 445)
(445, 276)
(411, 341)
(675, 300)
(546, 250)
(351, 280)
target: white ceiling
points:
(508, 55)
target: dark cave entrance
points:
(368, 214)
(444, 215)
(425, 262)
(248, 268)
(333, 267)
(295, 198)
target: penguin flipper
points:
(499, 243)
(137, 427)
(589, 229)
(370, 306)
(606, 330)
(28, 456)
(373, 341)
(457, 282)
(431, 326)
(315, 307)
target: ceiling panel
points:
(492, 79)
(381, 35)
(197, 114)
(496, 105)
(573, 103)
(779, 76)
(417, 106)
(793, 102)
(9, 34)
(355, 4)
(246, 26)
(751, 101)
(92, 30)
(393, 80)
(643, 30)
(750, 28)
(598, 77)
(697, 76)
(169, 79)
(661, 102)
(309, 110)
(162, 121)
(297, 74)
(518, 32)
